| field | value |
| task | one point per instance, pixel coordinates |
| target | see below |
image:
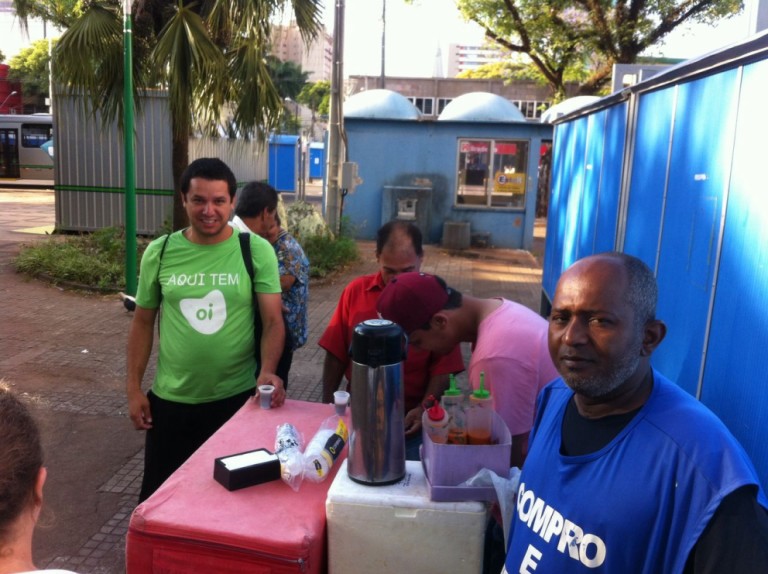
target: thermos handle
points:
(405, 346)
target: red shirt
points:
(358, 303)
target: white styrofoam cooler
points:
(397, 528)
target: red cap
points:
(411, 299)
(435, 410)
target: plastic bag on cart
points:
(506, 492)
(324, 448)
(288, 447)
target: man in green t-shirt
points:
(206, 356)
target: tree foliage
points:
(60, 13)
(509, 72)
(30, 68)
(316, 96)
(562, 36)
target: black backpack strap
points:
(245, 249)
(165, 244)
(157, 279)
(159, 263)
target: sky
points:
(416, 31)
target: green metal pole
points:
(130, 160)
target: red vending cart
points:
(194, 524)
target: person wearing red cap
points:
(398, 249)
(509, 343)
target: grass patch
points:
(97, 260)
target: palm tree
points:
(210, 55)
(288, 77)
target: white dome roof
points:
(566, 107)
(380, 104)
(481, 107)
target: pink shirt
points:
(512, 351)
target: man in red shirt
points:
(398, 250)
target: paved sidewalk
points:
(65, 353)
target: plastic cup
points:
(265, 396)
(340, 400)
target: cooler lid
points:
(410, 492)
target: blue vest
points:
(637, 505)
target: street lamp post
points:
(332, 200)
(8, 97)
(131, 243)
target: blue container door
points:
(735, 376)
(649, 174)
(572, 215)
(284, 163)
(702, 145)
(565, 203)
(562, 148)
(611, 170)
(593, 160)
(316, 162)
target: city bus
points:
(26, 154)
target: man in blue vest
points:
(626, 472)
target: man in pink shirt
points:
(509, 343)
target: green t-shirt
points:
(206, 350)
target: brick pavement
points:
(64, 352)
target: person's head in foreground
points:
(22, 476)
(603, 330)
(424, 306)
(208, 189)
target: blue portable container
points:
(283, 162)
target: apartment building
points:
(316, 58)
(464, 57)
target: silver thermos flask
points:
(377, 441)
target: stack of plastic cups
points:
(480, 415)
(453, 403)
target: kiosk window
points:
(492, 173)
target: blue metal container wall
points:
(650, 162)
(692, 221)
(735, 375)
(693, 206)
(584, 203)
